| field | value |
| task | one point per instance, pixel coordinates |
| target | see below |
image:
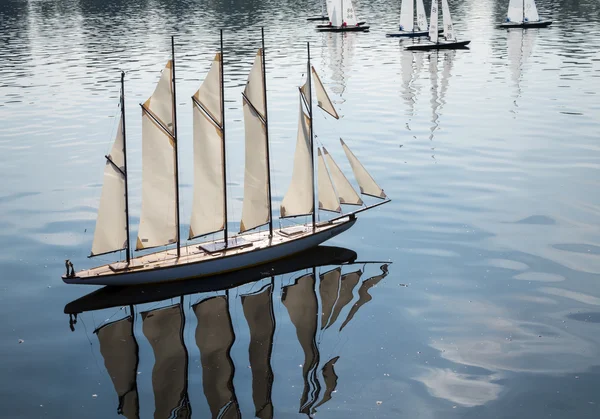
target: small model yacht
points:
(523, 14)
(449, 40)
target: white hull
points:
(164, 266)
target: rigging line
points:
(91, 344)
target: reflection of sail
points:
(341, 52)
(438, 101)
(348, 281)
(329, 286)
(301, 302)
(330, 378)
(163, 328)
(519, 47)
(214, 337)
(120, 352)
(258, 310)
(363, 294)
(411, 64)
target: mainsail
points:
(256, 206)
(365, 181)
(299, 198)
(322, 97)
(421, 16)
(407, 15)
(348, 15)
(515, 11)
(208, 210)
(158, 221)
(345, 191)
(258, 310)
(363, 294)
(433, 21)
(214, 337)
(447, 19)
(111, 225)
(328, 199)
(120, 352)
(163, 328)
(329, 287)
(531, 13)
(301, 303)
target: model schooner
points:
(342, 18)
(523, 14)
(449, 41)
(159, 221)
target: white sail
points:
(328, 199)
(163, 328)
(345, 191)
(515, 11)
(158, 221)
(348, 14)
(433, 21)
(365, 181)
(447, 19)
(111, 225)
(255, 208)
(322, 97)
(407, 15)
(531, 13)
(329, 8)
(208, 210)
(336, 15)
(329, 286)
(299, 198)
(421, 16)
(120, 352)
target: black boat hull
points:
(415, 34)
(442, 45)
(525, 25)
(312, 19)
(360, 28)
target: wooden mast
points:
(312, 147)
(175, 141)
(225, 239)
(125, 163)
(264, 74)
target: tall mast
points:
(223, 144)
(312, 147)
(125, 163)
(175, 141)
(264, 74)
(523, 11)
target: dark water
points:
(490, 304)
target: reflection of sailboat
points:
(523, 14)
(214, 336)
(450, 41)
(519, 46)
(163, 327)
(438, 100)
(411, 64)
(340, 50)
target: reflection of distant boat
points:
(438, 100)
(450, 41)
(411, 64)
(519, 48)
(523, 14)
(164, 328)
(340, 51)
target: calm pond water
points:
(481, 298)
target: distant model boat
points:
(342, 18)
(408, 27)
(449, 41)
(159, 221)
(523, 14)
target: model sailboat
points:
(408, 26)
(159, 223)
(449, 41)
(523, 14)
(342, 18)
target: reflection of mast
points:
(121, 356)
(258, 310)
(341, 50)
(215, 337)
(519, 47)
(363, 294)
(438, 101)
(300, 300)
(163, 327)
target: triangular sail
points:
(255, 208)
(345, 191)
(365, 181)
(215, 337)
(447, 19)
(120, 352)
(208, 210)
(299, 198)
(336, 15)
(323, 100)
(363, 295)
(407, 15)
(158, 221)
(531, 13)
(330, 378)
(301, 303)
(111, 225)
(163, 328)
(348, 283)
(433, 22)
(258, 311)
(329, 286)
(421, 16)
(328, 199)
(515, 11)
(348, 14)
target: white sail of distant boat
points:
(433, 21)
(421, 16)
(407, 15)
(120, 352)
(447, 20)
(111, 225)
(163, 327)
(363, 295)
(522, 11)
(208, 209)
(301, 303)
(258, 311)
(531, 13)
(214, 337)
(158, 220)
